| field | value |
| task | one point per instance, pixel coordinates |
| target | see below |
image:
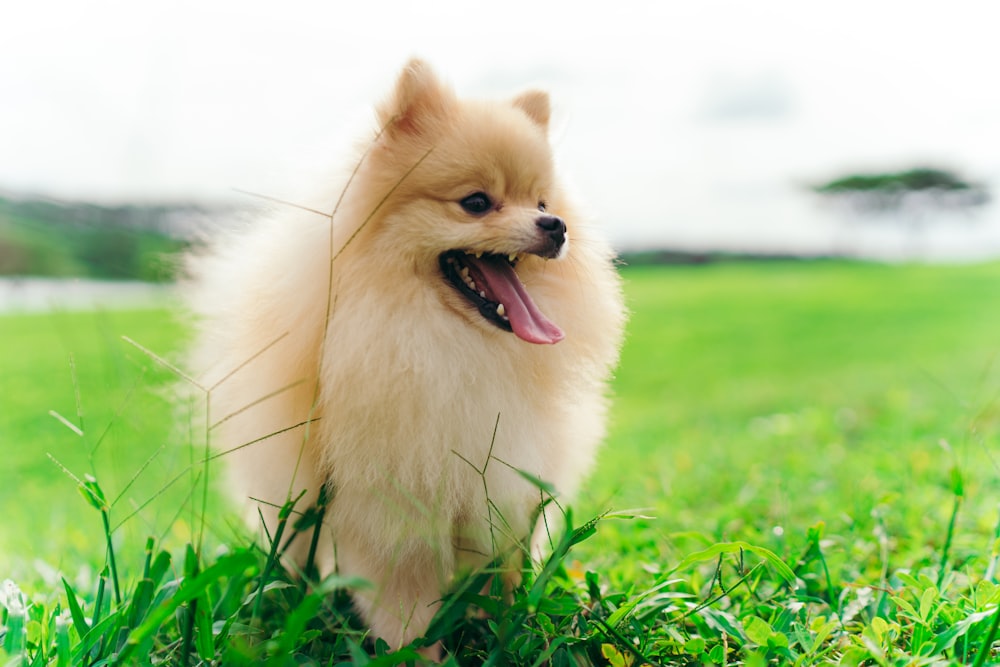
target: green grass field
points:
(755, 400)
(842, 416)
(73, 364)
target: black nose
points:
(554, 228)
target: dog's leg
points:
(406, 590)
(274, 464)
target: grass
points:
(812, 446)
(75, 365)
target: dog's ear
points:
(418, 103)
(535, 103)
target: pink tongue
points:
(503, 285)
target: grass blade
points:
(76, 613)
(713, 552)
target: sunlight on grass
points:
(813, 446)
(79, 401)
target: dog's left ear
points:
(535, 103)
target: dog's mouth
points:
(489, 283)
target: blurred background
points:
(776, 127)
(762, 398)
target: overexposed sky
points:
(682, 123)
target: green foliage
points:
(921, 178)
(812, 444)
(40, 238)
(889, 190)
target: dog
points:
(452, 325)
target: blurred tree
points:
(879, 193)
(910, 198)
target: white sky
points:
(683, 123)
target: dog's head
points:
(472, 197)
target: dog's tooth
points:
(512, 257)
(479, 253)
(482, 294)
(501, 311)
(464, 272)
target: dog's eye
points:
(542, 206)
(477, 203)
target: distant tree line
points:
(126, 242)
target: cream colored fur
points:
(404, 382)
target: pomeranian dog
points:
(452, 325)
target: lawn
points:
(842, 416)
(754, 400)
(75, 365)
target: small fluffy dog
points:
(452, 323)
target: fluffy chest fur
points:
(424, 403)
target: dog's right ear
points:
(535, 103)
(418, 104)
